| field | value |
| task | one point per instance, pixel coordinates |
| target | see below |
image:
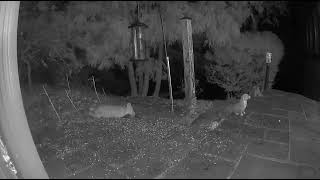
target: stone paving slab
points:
(274, 93)
(255, 168)
(250, 132)
(312, 111)
(287, 100)
(56, 168)
(198, 166)
(305, 129)
(301, 99)
(303, 151)
(286, 104)
(269, 149)
(297, 117)
(265, 107)
(267, 121)
(277, 136)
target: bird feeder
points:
(268, 57)
(138, 45)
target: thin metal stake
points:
(167, 58)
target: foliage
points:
(240, 67)
(100, 28)
(41, 42)
(258, 43)
(267, 12)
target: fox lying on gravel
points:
(109, 111)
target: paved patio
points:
(279, 137)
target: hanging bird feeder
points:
(138, 44)
(137, 40)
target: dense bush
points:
(42, 37)
(240, 66)
(53, 32)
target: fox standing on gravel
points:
(109, 111)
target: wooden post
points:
(266, 80)
(132, 79)
(189, 78)
(13, 122)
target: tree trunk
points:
(146, 80)
(140, 83)
(14, 126)
(132, 80)
(158, 71)
(188, 61)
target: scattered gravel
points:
(81, 139)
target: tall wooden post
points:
(266, 80)
(13, 122)
(189, 78)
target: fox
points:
(237, 108)
(112, 111)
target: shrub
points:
(240, 66)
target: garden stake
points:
(71, 100)
(51, 104)
(68, 83)
(167, 58)
(104, 92)
(94, 85)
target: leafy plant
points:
(100, 29)
(239, 67)
(42, 43)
